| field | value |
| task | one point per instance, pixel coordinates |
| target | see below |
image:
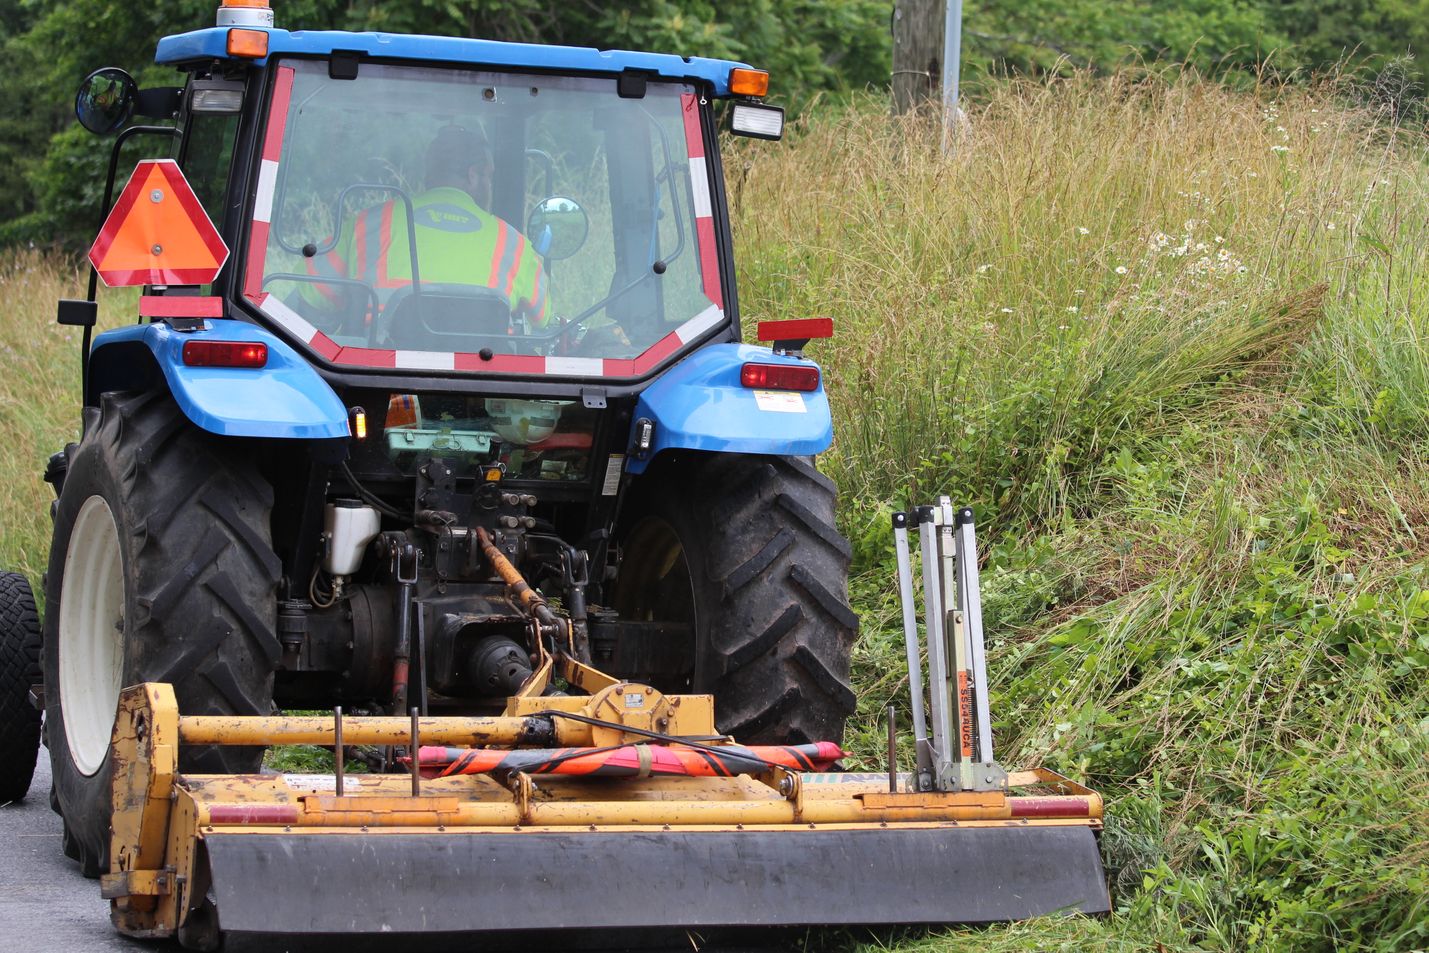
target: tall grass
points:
(1170, 340)
(39, 396)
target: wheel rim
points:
(656, 584)
(91, 636)
(655, 581)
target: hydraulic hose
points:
(531, 600)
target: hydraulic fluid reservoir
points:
(349, 527)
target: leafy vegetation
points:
(1169, 339)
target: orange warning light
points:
(748, 82)
(157, 233)
(251, 44)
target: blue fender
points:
(699, 404)
(286, 398)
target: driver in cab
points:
(458, 241)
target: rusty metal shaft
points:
(531, 600)
(534, 730)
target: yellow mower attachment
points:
(197, 855)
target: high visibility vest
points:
(458, 243)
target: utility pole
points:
(917, 53)
(927, 55)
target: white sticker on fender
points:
(781, 401)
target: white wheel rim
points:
(91, 634)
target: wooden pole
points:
(917, 54)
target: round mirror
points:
(105, 100)
(557, 228)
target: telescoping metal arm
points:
(958, 755)
(913, 650)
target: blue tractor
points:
(284, 475)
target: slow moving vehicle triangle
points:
(158, 233)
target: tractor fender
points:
(285, 398)
(700, 404)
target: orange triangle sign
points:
(158, 233)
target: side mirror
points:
(557, 227)
(106, 100)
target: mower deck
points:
(471, 853)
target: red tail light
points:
(225, 354)
(780, 376)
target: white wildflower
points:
(1280, 150)
(1073, 309)
(1083, 230)
(1121, 269)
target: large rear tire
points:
(161, 569)
(19, 670)
(745, 550)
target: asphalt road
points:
(46, 905)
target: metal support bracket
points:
(957, 754)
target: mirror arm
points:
(159, 103)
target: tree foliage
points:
(48, 192)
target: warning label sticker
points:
(612, 474)
(781, 401)
(320, 782)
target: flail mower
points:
(435, 424)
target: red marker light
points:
(248, 354)
(780, 376)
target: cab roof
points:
(212, 43)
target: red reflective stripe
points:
(494, 281)
(796, 328)
(1049, 806)
(176, 306)
(253, 814)
(278, 114)
(657, 352)
(709, 261)
(694, 138)
(367, 357)
(257, 251)
(515, 270)
(325, 346)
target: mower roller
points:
(436, 416)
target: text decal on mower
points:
(158, 233)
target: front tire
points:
(161, 569)
(744, 548)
